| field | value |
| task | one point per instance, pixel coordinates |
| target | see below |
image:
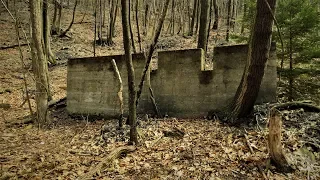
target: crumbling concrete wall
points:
(182, 87)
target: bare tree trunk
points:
(145, 30)
(16, 22)
(55, 12)
(203, 30)
(72, 21)
(95, 28)
(228, 19)
(244, 16)
(46, 35)
(112, 19)
(130, 69)
(100, 23)
(216, 15)
(258, 55)
(115, 19)
(137, 24)
(290, 97)
(56, 24)
(198, 17)
(209, 26)
(39, 63)
(194, 14)
(131, 32)
(173, 16)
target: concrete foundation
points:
(182, 86)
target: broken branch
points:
(252, 152)
(113, 62)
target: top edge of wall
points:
(115, 56)
(179, 50)
(237, 48)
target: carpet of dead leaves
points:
(209, 149)
(70, 147)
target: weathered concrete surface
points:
(181, 87)
(92, 84)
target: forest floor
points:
(72, 148)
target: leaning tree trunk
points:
(258, 55)
(39, 63)
(130, 69)
(203, 30)
(152, 48)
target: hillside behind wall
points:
(182, 87)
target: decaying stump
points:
(274, 142)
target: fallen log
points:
(56, 102)
(13, 46)
(297, 105)
(5, 106)
(252, 152)
(115, 154)
(21, 121)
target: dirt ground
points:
(71, 148)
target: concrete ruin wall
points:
(182, 86)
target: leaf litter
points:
(206, 149)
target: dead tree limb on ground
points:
(13, 46)
(297, 105)
(252, 152)
(119, 92)
(107, 162)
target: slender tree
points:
(193, 17)
(204, 20)
(46, 34)
(72, 21)
(216, 15)
(258, 55)
(39, 63)
(137, 24)
(130, 69)
(228, 19)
